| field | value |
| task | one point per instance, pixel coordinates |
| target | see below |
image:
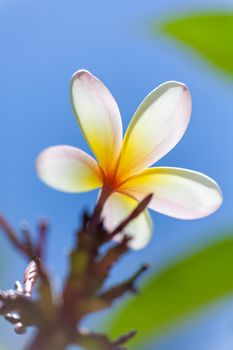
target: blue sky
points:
(43, 43)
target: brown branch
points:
(27, 241)
(125, 338)
(135, 213)
(42, 238)
(128, 286)
(11, 235)
(57, 319)
(24, 246)
(95, 341)
(96, 216)
(103, 266)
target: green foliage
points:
(180, 289)
(210, 34)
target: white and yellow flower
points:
(122, 168)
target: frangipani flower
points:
(122, 168)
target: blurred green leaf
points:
(210, 34)
(185, 286)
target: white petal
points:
(180, 193)
(117, 208)
(98, 116)
(68, 169)
(157, 126)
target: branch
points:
(128, 286)
(95, 341)
(58, 319)
(26, 246)
(11, 235)
(135, 213)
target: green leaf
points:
(210, 34)
(185, 286)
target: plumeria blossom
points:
(122, 166)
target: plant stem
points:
(96, 216)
